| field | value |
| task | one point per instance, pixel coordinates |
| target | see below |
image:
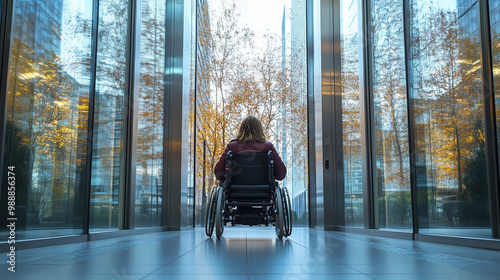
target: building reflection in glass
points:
(351, 114)
(390, 118)
(448, 119)
(48, 91)
(148, 196)
(110, 117)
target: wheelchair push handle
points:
(271, 166)
(229, 162)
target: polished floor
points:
(254, 253)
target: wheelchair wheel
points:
(210, 214)
(287, 207)
(219, 213)
(279, 219)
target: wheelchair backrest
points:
(249, 169)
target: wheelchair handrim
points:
(209, 221)
(288, 213)
(279, 219)
(219, 223)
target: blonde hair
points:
(251, 130)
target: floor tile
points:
(221, 269)
(197, 277)
(310, 277)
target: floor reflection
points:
(255, 253)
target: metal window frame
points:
(90, 125)
(328, 37)
(311, 117)
(411, 116)
(195, 114)
(173, 116)
(338, 137)
(133, 51)
(489, 117)
(370, 205)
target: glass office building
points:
(387, 114)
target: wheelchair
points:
(249, 195)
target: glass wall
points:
(55, 61)
(110, 117)
(447, 98)
(351, 118)
(424, 70)
(150, 122)
(390, 119)
(46, 118)
(495, 48)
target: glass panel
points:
(261, 54)
(448, 110)
(109, 116)
(150, 121)
(495, 48)
(353, 178)
(47, 107)
(293, 119)
(390, 119)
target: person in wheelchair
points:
(250, 195)
(250, 140)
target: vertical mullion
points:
(127, 193)
(411, 116)
(331, 207)
(5, 31)
(173, 113)
(338, 143)
(195, 115)
(311, 132)
(169, 14)
(366, 106)
(90, 133)
(489, 117)
(166, 218)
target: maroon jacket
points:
(251, 147)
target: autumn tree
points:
(235, 78)
(389, 90)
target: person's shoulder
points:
(233, 142)
(268, 144)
